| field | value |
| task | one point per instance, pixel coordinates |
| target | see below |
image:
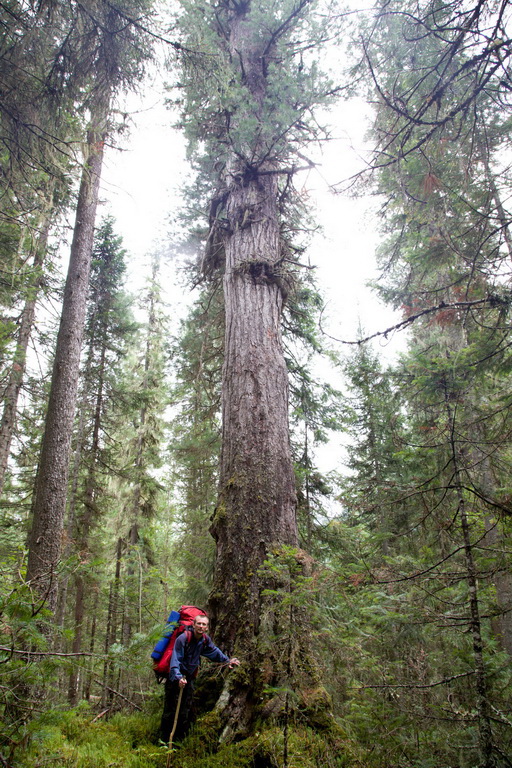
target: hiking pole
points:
(176, 715)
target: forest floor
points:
(78, 739)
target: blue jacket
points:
(186, 657)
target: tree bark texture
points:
(51, 482)
(256, 510)
(257, 498)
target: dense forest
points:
(147, 463)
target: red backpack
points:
(179, 622)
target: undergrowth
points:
(301, 747)
(74, 739)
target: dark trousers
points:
(172, 692)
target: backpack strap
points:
(188, 637)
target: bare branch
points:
(491, 301)
(415, 686)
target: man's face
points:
(200, 626)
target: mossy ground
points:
(73, 739)
(269, 748)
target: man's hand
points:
(182, 682)
(233, 663)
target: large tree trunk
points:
(257, 498)
(51, 482)
(256, 510)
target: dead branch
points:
(415, 686)
(491, 301)
(48, 653)
(117, 693)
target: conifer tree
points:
(196, 440)
(108, 44)
(372, 420)
(454, 54)
(108, 330)
(149, 399)
(315, 406)
(139, 502)
(249, 93)
(35, 165)
(442, 262)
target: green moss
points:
(265, 748)
(316, 705)
(73, 740)
(205, 735)
(219, 513)
(242, 676)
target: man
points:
(185, 660)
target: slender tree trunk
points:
(112, 620)
(309, 521)
(92, 644)
(78, 617)
(131, 585)
(85, 525)
(12, 390)
(481, 685)
(51, 482)
(133, 533)
(108, 638)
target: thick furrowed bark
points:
(256, 511)
(256, 508)
(51, 482)
(257, 488)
